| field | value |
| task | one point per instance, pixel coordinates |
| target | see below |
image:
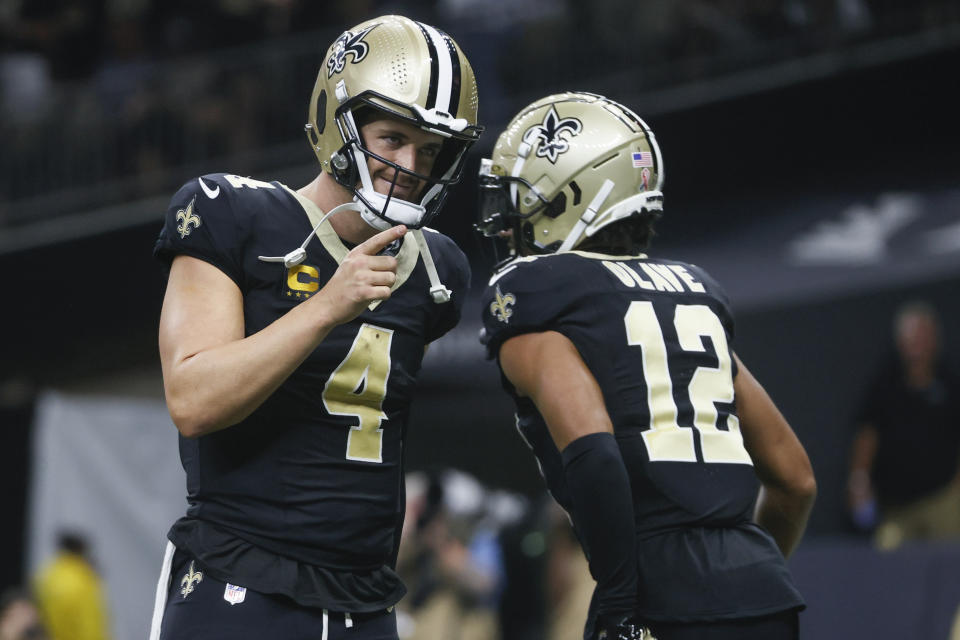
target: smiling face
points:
(407, 146)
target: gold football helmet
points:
(408, 70)
(567, 166)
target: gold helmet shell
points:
(409, 70)
(567, 166)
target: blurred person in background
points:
(649, 430)
(547, 582)
(293, 328)
(451, 560)
(904, 482)
(569, 583)
(70, 593)
(19, 617)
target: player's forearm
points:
(601, 504)
(784, 514)
(219, 387)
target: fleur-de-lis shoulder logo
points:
(554, 134)
(348, 42)
(189, 581)
(188, 219)
(500, 307)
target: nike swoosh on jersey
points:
(211, 193)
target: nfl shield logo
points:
(234, 594)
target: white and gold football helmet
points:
(567, 166)
(408, 70)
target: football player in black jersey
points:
(648, 429)
(292, 332)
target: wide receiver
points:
(648, 429)
(292, 332)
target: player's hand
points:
(362, 277)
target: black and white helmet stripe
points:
(445, 81)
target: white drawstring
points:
(347, 621)
(299, 254)
(438, 291)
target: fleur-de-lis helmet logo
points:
(348, 42)
(188, 220)
(554, 134)
(500, 307)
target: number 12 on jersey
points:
(357, 388)
(666, 440)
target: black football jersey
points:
(305, 496)
(657, 336)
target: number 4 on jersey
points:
(666, 440)
(357, 388)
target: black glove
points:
(629, 628)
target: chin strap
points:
(588, 216)
(438, 291)
(299, 254)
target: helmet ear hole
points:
(557, 206)
(321, 119)
(577, 193)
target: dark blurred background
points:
(812, 163)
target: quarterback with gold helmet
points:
(292, 332)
